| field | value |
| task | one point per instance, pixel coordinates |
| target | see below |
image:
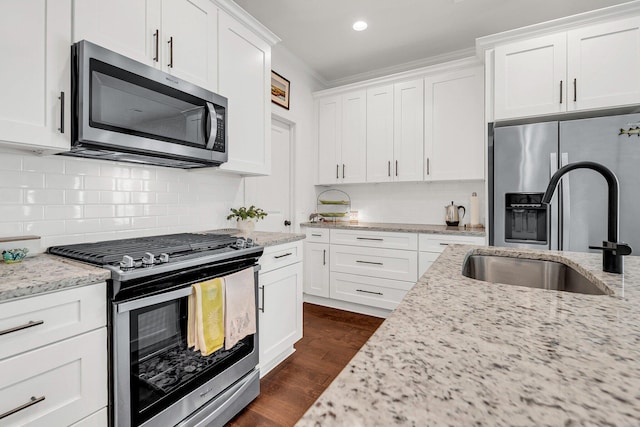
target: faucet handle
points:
(620, 248)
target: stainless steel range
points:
(155, 379)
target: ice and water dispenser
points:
(525, 218)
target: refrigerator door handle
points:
(566, 206)
(553, 225)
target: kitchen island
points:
(458, 351)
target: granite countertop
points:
(403, 228)
(263, 238)
(458, 351)
(45, 273)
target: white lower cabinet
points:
(432, 245)
(369, 271)
(280, 304)
(51, 374)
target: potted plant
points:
(246, 217)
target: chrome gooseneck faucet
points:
(613, 251)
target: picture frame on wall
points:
(280, 88)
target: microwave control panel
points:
(219, 144)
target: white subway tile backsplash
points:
(11, 196)
(65, 182)
(43, 164)
(99, 183)
(80, 197)
(63, 212)
(11, 179)
(69, 200)
(114, 197)
(44, 197)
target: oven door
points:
(157, 380)
(123, 105)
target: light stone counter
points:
(458, 351)
(262, 238)
(402, 228)
(45, 273)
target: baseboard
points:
(348, 306)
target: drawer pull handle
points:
(316, 235)
(32, 402)
(284, 255)
(445, 244)
(369, 292)
(31, 324)
(369, 238)
(369, 262)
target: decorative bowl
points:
(14, 255)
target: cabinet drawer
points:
(373, 291)
(44, 319)
(280, 256)
(386, 263)
(375, 239)
(319, 235)
(437, 242)
(71, 375)
(425, 259)
(99, 419)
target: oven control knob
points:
(250, 243)
(127, 262)
(240, 243)
(164, 257)
(148, 259)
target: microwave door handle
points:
(210, 125)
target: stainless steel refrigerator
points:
(522, 160)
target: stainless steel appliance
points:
(127, 111)
(524, 157)
(156, 380)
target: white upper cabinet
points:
(176, 36)
(595, 66)
(342, 138)
(408, 130)
(395, 132)
(380, 134)
(35, 54)
(530, 77)
(454, 125)
(604, 62)
(245, 79)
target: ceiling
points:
(401, 33)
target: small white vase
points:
(246, 226)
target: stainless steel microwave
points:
(127, 111)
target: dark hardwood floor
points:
(331, 338)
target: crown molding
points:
(425, 71)
(401, 68)
(623, 10)
(252, 23)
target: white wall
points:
(410, 202)
(301, 114)
(67, 200)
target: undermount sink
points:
(532, 273)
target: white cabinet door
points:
(280, 311)
(454, 125)
(189, 42)
(604, 63)
(35, 52)
(354, 137)
(123, 26)
(530, 77)
(408, 141)
(245, 79)
(329, 139)
(380, 134)
(425, 259)
(316, 269)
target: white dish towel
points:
(240, 307)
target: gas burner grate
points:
(111, 251)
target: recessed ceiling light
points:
(360, 25)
